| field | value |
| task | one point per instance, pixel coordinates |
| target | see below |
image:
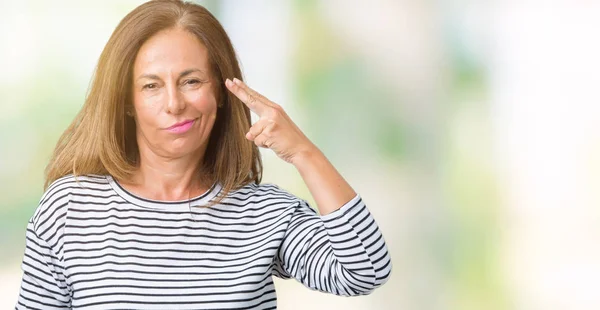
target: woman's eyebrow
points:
(182, 74)
(148, 76)
(189, 71)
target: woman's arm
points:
(43, 285)
(342, 251)
(328, 188)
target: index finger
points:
(250, 98)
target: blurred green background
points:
(470, 128)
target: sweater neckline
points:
(179, 205)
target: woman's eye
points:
(150, 86)
(192, 82)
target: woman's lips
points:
(181, 127)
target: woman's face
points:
(173, 98)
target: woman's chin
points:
(182, 147)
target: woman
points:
(153, 197)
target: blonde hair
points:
(102, 139)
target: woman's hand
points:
(274, 129)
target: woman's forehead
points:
(173, 50)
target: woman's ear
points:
(129, 110)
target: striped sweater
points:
(93, 245)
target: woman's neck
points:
(167, 179)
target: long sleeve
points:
(343, 253)
(43, 285)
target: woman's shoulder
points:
(70, 184)
(54, 201)
(265, 192)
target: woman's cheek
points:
(152, 103)
(202, 100)
(194, 97)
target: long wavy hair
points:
(102, 139)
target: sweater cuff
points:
(342, 210)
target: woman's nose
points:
(175, 102)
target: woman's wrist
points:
(307, 156)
